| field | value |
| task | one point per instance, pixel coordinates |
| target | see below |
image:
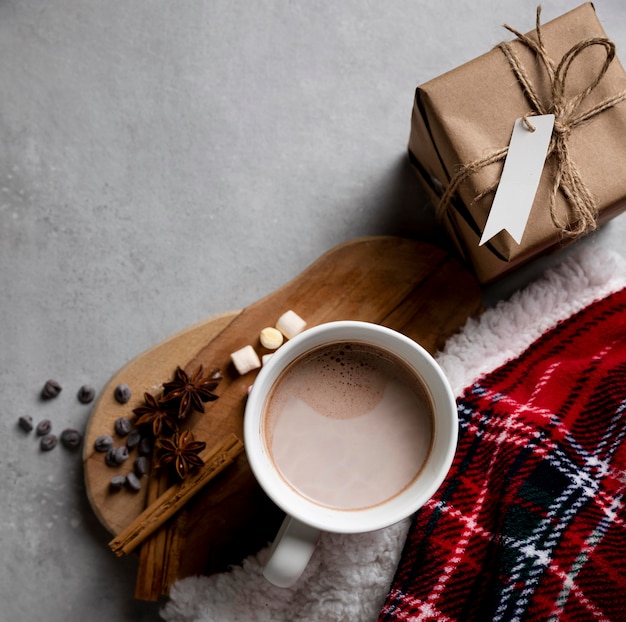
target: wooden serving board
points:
(410, 286)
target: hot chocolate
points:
(348, 425)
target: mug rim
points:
(404, 503)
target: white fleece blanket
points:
(349, 576)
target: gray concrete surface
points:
(161, 162)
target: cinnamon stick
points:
(149, 582)
(177, 537)
(215, 460)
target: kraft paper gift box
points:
(462, 123)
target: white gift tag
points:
(520, 178)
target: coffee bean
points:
(103, 443)
(122, 426)
(48, 442)
(133, 439)
(44, 427)
(145, 446)
(86, 394)
(132, 481)
(117, 482)
(51, 389)
(110, 459)
(122, 393)
(120, 454)
(25, 422)
(116, 456)
(140, 466)
(71, 438)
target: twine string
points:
(567, 178)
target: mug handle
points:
(292, 549)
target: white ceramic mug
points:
(295, 541)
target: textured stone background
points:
(164, 161)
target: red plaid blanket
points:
(530, 522)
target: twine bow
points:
(567, 179)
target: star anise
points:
(180, 451)
(190, 391)
(154, 413)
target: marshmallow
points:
(245, 359)
(290, 324)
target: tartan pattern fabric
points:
(530, 523)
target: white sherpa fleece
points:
(349, 576)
